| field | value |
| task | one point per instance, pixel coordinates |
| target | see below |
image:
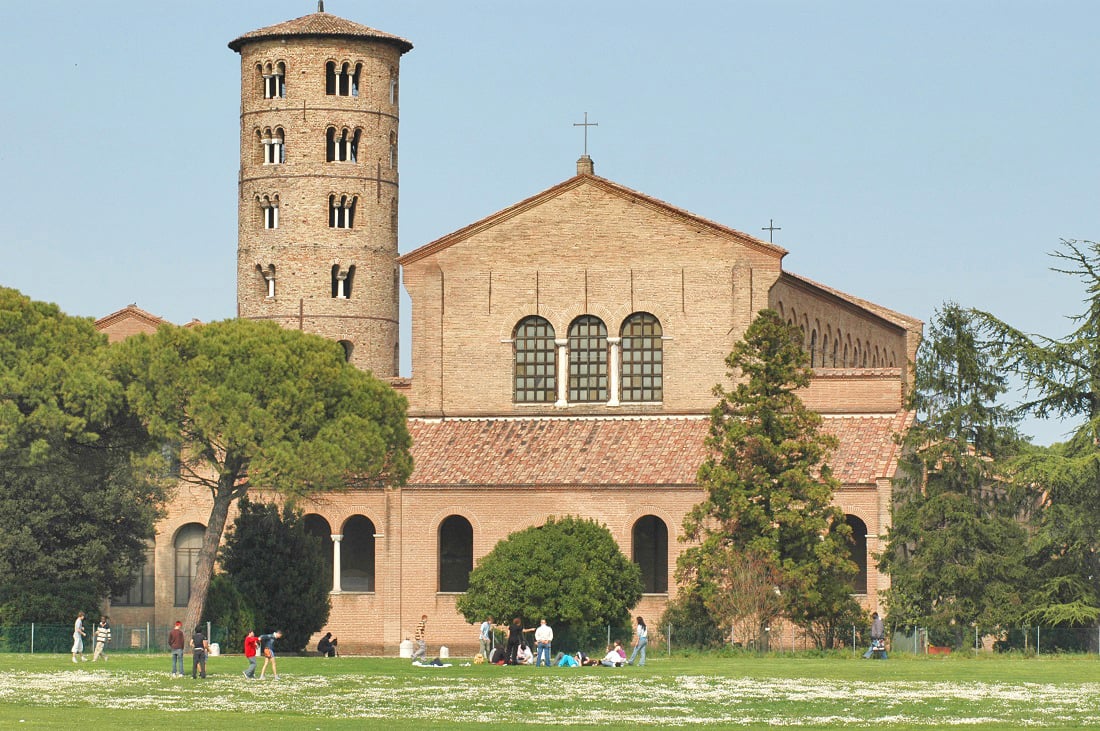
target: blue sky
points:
(911, 153)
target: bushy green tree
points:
(956, 547)
(568, 571)
(259, 406)
(768, 485)
(271, 559)
(229, 609)
(79, 494)
(1062, 379)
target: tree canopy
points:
(568, 571)
(79, 490)
(1062, 380)
(955, 547)
(255, 405)
(769, 487)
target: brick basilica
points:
(563, 350)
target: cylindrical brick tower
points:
(317, 208)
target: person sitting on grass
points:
(327, 645)
(613, 659)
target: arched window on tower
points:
(269, 210)
(393, 149)
(342, 145)
(393, 85)
(535, 356)
(456, 553)
(858, 553)
(274, 146)
(274, 77)
(342, 79)
(268, 275)
(342, 280)
(349, 348)
(186, 547)
(650, 539)
(643, 359)
(357, 554)
(341, 211)
(587, 360)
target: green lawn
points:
(135, 692)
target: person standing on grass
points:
(544, 635)
(419, 636)
(78, 637)
(200, 646)
(175, 644)
(102, 636)
(250, 643)
(641, 642)
(268, 643)
(485, 638)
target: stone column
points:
(563, 372)
(613, 371)
(336, 568)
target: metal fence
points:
(55, 638)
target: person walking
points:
(78, 637)
(544, 635)
(420, 637)
(485, 638)
(268, 643)
(102, 636)
(878, 638)
(250, 644)
(175, 645)
(640, 644)
(200, 646)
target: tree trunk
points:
(200, 584)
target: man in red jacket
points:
(250, 643)
(175, 644)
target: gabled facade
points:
(564, 350)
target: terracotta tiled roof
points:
(317, 25)
(607, 185)
(604, 451)
(128, 312)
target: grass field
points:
(136, 692)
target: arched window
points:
(317, 526)
(341, 211)
(342, 79)
(342, 145)
(142, 592)
(456, 553)
(813, 347)
(357, 554)
(643, 359)
(535, 361)
(650, 539)
(349, 348)
(393, 85)
(859, 552)
(393, 149)
(274, 78)
(587, 360)
(187, 544)
(342, 279)
(274, 146)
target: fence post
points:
(148, 637)
(1036, 640)
(668, 638)
(32, 638)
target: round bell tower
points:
(318, 184)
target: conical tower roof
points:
(318, 25)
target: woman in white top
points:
(643, 640)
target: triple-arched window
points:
(629, 368)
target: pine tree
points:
(769, 487)
(955, 548)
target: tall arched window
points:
(456, 553)
(357, 554)
(650, 538)
(587, 360)
(317, 526)
(187, 544)
(643, 359)
(859, 552)
(142, 592)
(535, 361)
